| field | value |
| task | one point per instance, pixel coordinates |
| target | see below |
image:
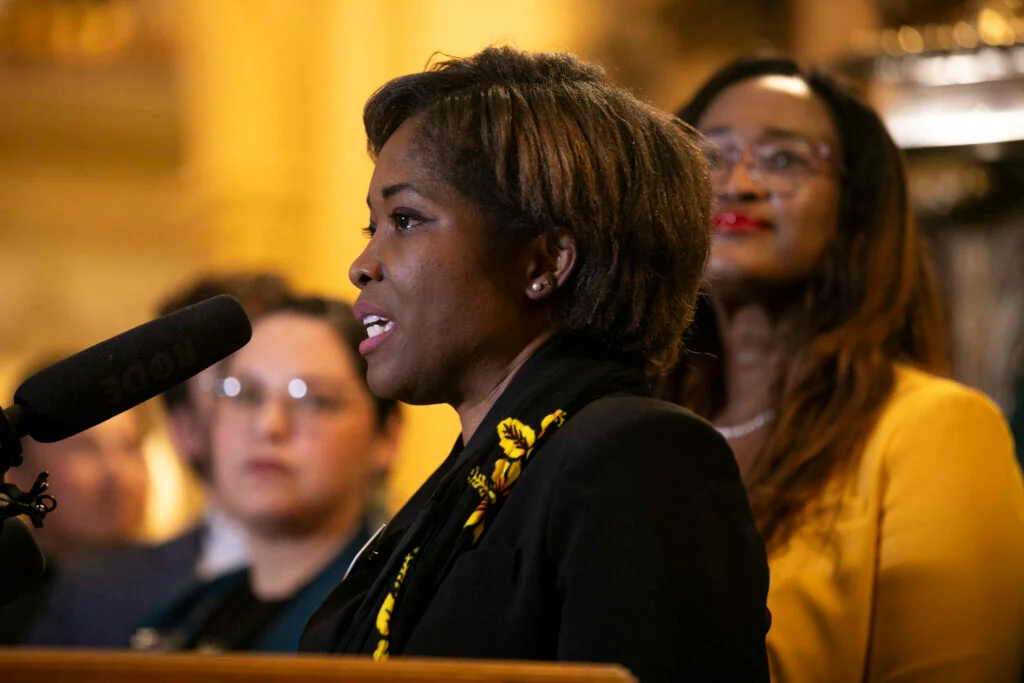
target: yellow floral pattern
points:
(388, 607)
(518, 441)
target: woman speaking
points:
(537, 237)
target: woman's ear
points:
(552, 262)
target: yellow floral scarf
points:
(517, 441)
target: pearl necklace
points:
(748, 427)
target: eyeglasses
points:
(306, 405)
(780, 165)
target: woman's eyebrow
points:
(391, 190)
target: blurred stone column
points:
(247, 69)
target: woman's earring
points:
(537, 286)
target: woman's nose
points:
(366, 268)
(740, 182)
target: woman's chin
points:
(741, 262)
(733, 284)
(391, 383)
(379, 381)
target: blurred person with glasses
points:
(887, 495)
(299, 447)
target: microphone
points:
(113, 376)
(21, 561)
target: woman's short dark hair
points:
(339, 316)
(545, 145)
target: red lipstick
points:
(735, 222)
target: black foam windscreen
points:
(93, 385)
(21, 561)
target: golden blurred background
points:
(143, 142)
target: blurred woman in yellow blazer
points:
(889, 498)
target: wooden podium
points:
(83, 666)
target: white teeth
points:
(375, 328)
(370, 319)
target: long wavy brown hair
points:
(871, 304)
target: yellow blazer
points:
(921, 575)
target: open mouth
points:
(378, 328)
(376, 325)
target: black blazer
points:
(629, 539)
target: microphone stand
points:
(34, 503)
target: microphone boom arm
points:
(34, 503)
